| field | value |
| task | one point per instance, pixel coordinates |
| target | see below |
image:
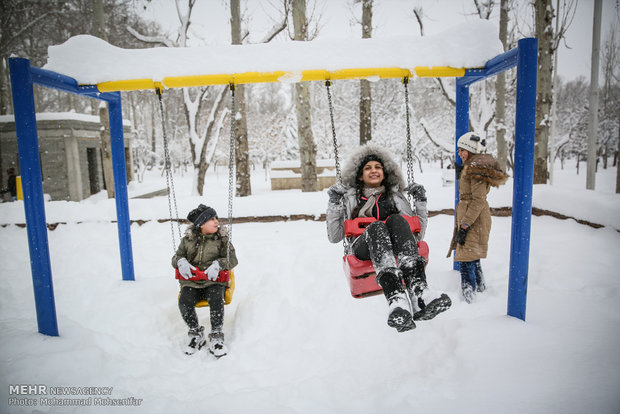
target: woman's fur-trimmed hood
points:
(483, 167)
(391, 167)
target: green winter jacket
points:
(201, 250)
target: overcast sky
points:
(391, 17)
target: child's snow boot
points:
(216, 344)
(468, 280)
(468, 293)
(480, 285)
(197, 340)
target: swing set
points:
(24, 77)
(224, 276)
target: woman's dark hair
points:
(359, 184)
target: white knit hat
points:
(472, 142)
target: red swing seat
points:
(225, 276)
(360, 273)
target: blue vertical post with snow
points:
(115, 112)
(524, 57)
(525, 126)
(461, 126)
(32, 187)
(23, 77)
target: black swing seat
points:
(361, 274)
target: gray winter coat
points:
(338, 213)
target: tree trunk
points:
(4, 89)
(500, 88)
(242, 156)
(365, 91)
(106, 154)
(154, 109)
(106, 151)
(618, 163)
(544, 32)
(307, 147)
(592, 159)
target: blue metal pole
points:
(523, 176)
(462, 126)
(115, 112)
(32, 186)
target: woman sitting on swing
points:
(372, 186)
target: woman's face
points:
(372, 174)
(464, 154)
(210, 226)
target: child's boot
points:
(480, 284)
(216, 344)
(197, 340)
(468, 280)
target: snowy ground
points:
(299, 343)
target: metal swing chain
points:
(231, 168)
(409, 146)
(331, 117)
(172, 199)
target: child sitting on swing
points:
(372, 186)
(204, 247)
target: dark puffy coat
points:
(480, 172)
(201, 250)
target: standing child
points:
(473, 216)
(204, 247)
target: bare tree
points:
(365, 91)
(242, 155)
(106, 150)
(307, 147)
(500, 91)
(548, 42)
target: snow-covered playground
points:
(298, 342)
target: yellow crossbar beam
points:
(278, 76)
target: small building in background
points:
(286, 175)
(70, 152)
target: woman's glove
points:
(213, 271)
(416, 191)
(336, 192)
(461, 235)
(185, 269)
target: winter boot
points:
(433, 308)
(399, 316)
(197, 340)
(468, 293)
(216, 344)
(468, 280)
(480, 285)
(423, 307)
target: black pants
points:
(191, 296)
(385, 244)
